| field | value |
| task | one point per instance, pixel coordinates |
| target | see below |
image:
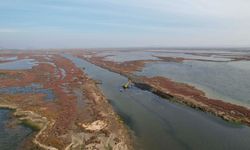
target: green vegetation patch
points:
(34, 126)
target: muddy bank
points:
(179, 92)
(62, 123)
(193, 97)
(121, 67)
(170, 59)
(231, 58)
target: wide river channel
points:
(159, 124)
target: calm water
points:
(229, 81)
(11, 138)
(159, 124)
(120, 56)
(18, 65)
(8, 58)
(34, 88)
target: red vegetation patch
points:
(63, 111)
(178, 91)
(191, 96)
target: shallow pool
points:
(11, 138)
(18, 65)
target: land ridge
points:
(175, 91)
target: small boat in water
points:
(126, 85)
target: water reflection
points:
(18, 65)
(11, 138)
(160, 124)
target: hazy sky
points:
(123, 23)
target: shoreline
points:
(31, 120)
(178, 92)
(62, 123)
(227, 111)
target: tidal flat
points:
(47, 97)
(176, 99)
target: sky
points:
(124, 23)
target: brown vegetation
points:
(172, 90)
(61, 121)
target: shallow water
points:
(34, 88)
(121, 56)
(229, 81)
(8, 58)
(11, 138)
(160, 124)
(18, 65)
